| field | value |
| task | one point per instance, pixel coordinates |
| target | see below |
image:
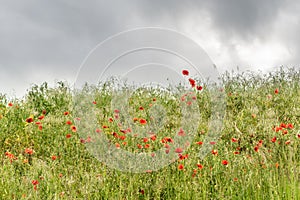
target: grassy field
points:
(256, 157)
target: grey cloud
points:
(245, 19)
(50, 32)
(62, 32)
(233, 18)
(55, 36)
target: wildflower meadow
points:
(256, 156)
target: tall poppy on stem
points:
(185, 72)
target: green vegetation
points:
(256, 157)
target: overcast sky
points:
(48, 40)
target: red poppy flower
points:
(141, 108)
(68, 135)
(98, 130)
(256, 148)
(178, 150)
(288, 142)
(147, 146)
(283, 125)
(181, 157)
(123, 131)
(290, 126)
(40, 127)
(225, 162)
(94, 102)
(117, 145)
(10, 155)
(298, 135)
(141, 191)
(153, 137)
(276, 91)
(199, 143)
(66, 113)
(274, 139)
(214, 152)
(88, 139)
(69, 122)
(34, 182)
(284, 132)
(194, 173)
(169, 139)
(181, 132)
(41, 117)
(143, 121)
(192, 82)
(122, 137)
(28, 151)
(53, 157)
(10, 104)
(135, 119)
(260, 142)
(199, 87)
(29, 120)
(115, 134)
(180, 167)
(200, 166)
(182, 98)
(73, 128)
(82, 141)
(234, 140)
(185, 72)
(145, 140)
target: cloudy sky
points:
(48, 40)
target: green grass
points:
(253, 113)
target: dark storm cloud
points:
(240, 18)
(54, 32)
(36, 32)
(37, 36)
(245, 19)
